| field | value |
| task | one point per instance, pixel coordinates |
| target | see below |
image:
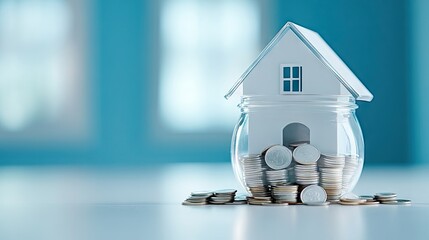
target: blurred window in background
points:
(43, 93)
(205, 47)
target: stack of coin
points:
(352, 201)
(398, 202)
(369, 200)
(292, 147)
(386, 197)
(291, 172)
(238, 200)
(312, 195)
(259, 200)
(277, 177)
(198, 198)
(261, 191)
(306, 174)
(306, 156)
(285, 194)
(332, 161)
(331, 175)
(254, 175)
(253, 170)
(350, 167)
(223, 196)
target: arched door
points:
(295, 132)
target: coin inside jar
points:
(306, 154)
(278, 157)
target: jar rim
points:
(336, 102)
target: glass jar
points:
(328, 123)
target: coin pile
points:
(285, 193)
(223, 196)
(350, 167)
(390, 198)
(306, 156)
(306, 174)
(369, 200)
(198, 198)
(277, 158)
(351, 201)
(331, 175)
(283, 173)
(277, 177)
(258, 200)
(312, 195)
(238, 200)
(261, 191)
(291, 168)
(291, 173)
(253, 167)
(383, 198)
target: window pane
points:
(286, 72)
(286, 86)
(295, 86)
(206, 46)
(295, 72)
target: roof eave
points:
(267, 49)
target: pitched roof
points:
(323, 52)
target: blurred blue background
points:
(142, 82)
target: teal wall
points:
(419, 72)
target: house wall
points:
(264, 79)
(266, 128)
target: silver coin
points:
(306, 154)
(193, 204)
(275, 204)
(296, 144)
(317, 203)
(199, 198)
(225, 191)
(349, 203)
(403, 201)
(366, 197)
(201, 193)
(313, 194)
(385, 195)
(278, 157)
(393, 202)
(236, 203)
(372, 203)
(352, 200)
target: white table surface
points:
(145, 203)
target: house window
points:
(291, 79)
(206, 45)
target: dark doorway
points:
(295, 132)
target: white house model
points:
(297, 63)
